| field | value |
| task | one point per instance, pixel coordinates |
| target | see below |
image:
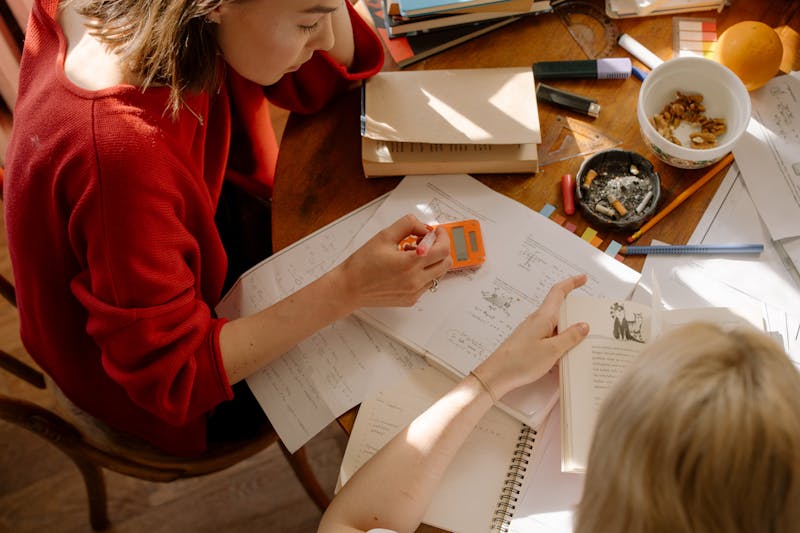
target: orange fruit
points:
(752, 50)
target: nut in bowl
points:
(721, 111)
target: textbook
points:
(506, 473)
(618, 332)
(504, 6)
(407, 49)
(425, 122)
(410, 8)
(474, 310)
(399, 25)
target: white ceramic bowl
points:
(724, 96)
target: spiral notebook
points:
(483, 487)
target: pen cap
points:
(613, 68)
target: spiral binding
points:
(509, 495)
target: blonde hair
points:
(162, 42)
(702, 434)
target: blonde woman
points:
(701, 435)
(137, 184)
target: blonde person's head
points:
(701, 435)
(161, 42)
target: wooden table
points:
(319, 176)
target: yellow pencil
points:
(683, 196)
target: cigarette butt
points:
(617, 206)
(600, 208)
(643, 203)
(590, 176)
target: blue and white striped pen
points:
(691, 249)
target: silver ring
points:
(434, 285)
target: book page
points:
(336, 368)
(473, 311)
(618, 332)
(467, 497)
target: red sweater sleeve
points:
(144, 227)
(320, 78)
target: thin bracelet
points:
(484, 385)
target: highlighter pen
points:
(425, 243)
(639, 51)
(609, 68)
(575, 102)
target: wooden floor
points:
(41, 490)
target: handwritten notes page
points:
(333, 370)
(467, 497)
(768, 154)
(472, 312)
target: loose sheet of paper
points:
(768, 154)
(750, 284)
(336, 368)
(474, 311)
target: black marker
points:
(609, 68)
(575, 102)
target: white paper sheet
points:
(474, 311)
(768, 155)
(336, 368)
(741, 282)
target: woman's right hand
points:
(380, 275)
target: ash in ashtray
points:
(616, 196)
(617, 189)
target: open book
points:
(473, 311)
(425, 122)
(619, 332)
(501, 455)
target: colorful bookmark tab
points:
(589, 234)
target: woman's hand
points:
(533, 348)
(379, 274)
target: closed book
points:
(407, 49)
(424, 122)
(505, 6)
(410, 8)
(399, 25)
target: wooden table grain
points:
(319, 176)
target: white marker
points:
(425, 244)
(638, 51)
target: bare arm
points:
(377, 274)
(393, 489)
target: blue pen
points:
(690, 249)
(639, 73)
